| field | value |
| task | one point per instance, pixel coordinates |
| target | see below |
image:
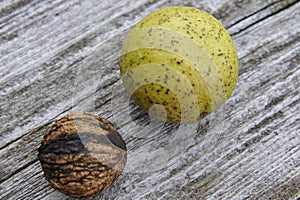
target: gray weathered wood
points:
(59, 57)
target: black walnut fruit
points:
(82, 154)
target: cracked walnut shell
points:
(82, 154)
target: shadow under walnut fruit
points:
(82, 154)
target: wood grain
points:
(59, 57)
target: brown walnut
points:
(82, 154)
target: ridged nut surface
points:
(82, 154)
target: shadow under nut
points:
(82, 154)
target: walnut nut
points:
(82, 154)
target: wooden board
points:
(58, 57)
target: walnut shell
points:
(82, 154)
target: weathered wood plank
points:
(62, 56)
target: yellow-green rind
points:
(162, 85)
(202, 90)
(206, 30)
